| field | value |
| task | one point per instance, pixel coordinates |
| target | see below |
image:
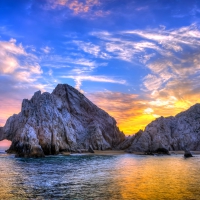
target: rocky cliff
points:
(63, 120)
(172, 133)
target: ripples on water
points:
(100, 177)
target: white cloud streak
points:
(80, 79)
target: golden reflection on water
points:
(117, 177)
(158, 178)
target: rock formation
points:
(64, 120)
(187, 154)
(171, 133)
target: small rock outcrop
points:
(187, 154)
(170, 133)
(64, 120)
(162, 151)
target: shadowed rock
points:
(64, 120)
(126, 144)
(1, 133)
(187, 154)
(90, 149)
(162, 151)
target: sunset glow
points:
(135, 59)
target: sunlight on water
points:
(100, 177)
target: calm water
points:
(100, 177)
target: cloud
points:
(84, 8)
(142, 8)
(76, 6)
(58, 61)
(127, 109)
(142, 45)
(115, 46)
(16, 62)
(19, 75)
(93, 49)
(104, 79)
(148, 111)
(172, 57)
(133, 111)
(46, 49)
(79, 69)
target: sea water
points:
(107, 177)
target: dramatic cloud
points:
(171, 56)
(19, 75)
(127, 109)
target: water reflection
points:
(100, 177)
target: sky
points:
(137, 60)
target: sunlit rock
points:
(64, 120)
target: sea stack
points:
(64, 120)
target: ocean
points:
(125, 176)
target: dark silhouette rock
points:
(162, 151)
(128, 141)
(187, 154)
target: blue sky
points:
(137, 60)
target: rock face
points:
(1, 133)
(90, 149)
(172, 133)
(64, 120)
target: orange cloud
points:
(76, 6)
(133, 113)
(85, 8)
(127, 109)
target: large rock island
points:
(64, 120)
(181, 132)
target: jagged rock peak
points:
(64, 120)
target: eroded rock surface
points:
(171, 133)
(60, 121)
